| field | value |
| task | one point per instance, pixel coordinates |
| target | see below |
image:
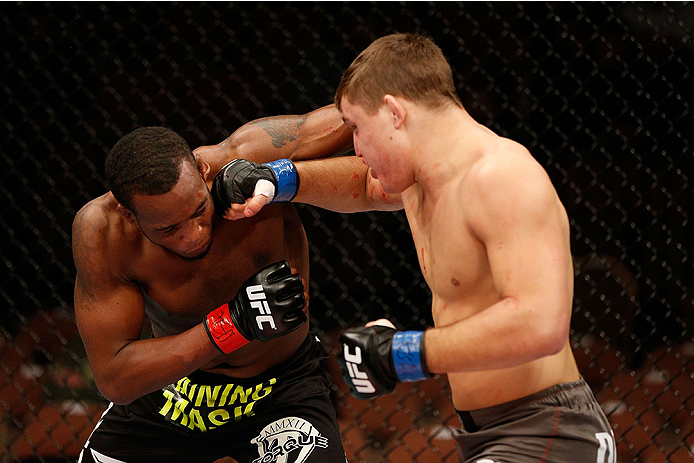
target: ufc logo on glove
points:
(271, 290)
(258, 301)
(382, 357)
(359, 378)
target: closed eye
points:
(202, 207)
(168, 230)
(198, 212)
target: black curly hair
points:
(146, 161)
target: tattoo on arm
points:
(282, 130)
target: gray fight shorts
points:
(561, 424)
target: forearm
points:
(132, 368)
(342, 184)
(504, 335)
(147, 365)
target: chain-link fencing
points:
(600, 93)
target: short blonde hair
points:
(404, 65)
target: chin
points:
(196, 257)
(199, 255)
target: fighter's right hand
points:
(269, 304)
(375, 358)
(253, 185)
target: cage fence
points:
(600, 93)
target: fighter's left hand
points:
(248, 209)
(252, 185)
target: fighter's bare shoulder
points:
(99, 234)
(505, 183)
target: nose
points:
(194, 234)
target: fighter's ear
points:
(127, 213)
(396, 108)
(203, 166)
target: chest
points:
(452, 259)
(193, 288)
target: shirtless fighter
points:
(493, 242)
(493, 245)
(231, 369)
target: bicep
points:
(526, 247)
(317, 134)
(528, 261)
(109, 310)
(323, 133)
(109, 315)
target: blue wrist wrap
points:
(407, 356)
(287, 179)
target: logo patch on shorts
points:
(288, 440)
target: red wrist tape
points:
(222, 330)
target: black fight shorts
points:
(561, 424)
(283, 415)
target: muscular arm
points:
(343, 184)
(109, 311)
(523, 227)
(317, 134)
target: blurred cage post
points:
(601, 94)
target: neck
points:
(446, 143)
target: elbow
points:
(384, 202)
(121, 400)
(553, 344)
(114, 392)
(552, 335)
(376, 198)
(114, 396)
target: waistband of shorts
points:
(561, 393)
(309, 349)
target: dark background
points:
(600, 93)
